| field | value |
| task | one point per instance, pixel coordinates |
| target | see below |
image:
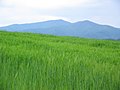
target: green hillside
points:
(45, 62)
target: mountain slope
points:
(85, 29)
(46, 24)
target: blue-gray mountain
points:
(85, 29)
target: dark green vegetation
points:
(44, 62)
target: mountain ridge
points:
(84, 29)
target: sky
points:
(30, 11)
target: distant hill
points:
(85, 29)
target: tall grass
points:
(44, 62)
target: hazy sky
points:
(28, 11)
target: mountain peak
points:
(58, 20)
(85, 21)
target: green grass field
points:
(45, 62)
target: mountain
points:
(46, 24)
(85, 29)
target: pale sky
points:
(29, 11)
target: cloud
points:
(25, 11)
(21, 15)
(25, 19)
(46, 4)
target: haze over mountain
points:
(85, 29)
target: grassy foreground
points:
(44, 62)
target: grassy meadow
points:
(45, 62)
